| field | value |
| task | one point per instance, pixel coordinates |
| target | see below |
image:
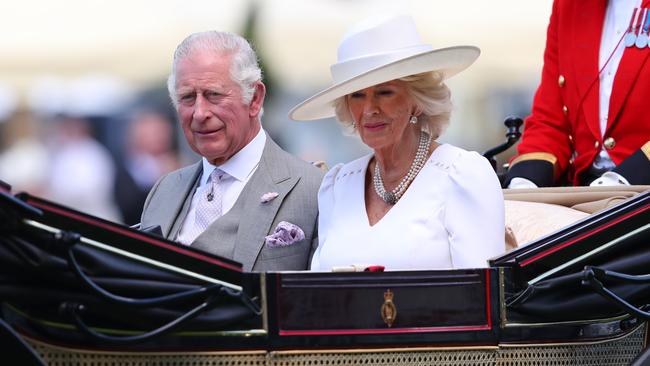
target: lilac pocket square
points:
(284, 235)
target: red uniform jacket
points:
(564, 124)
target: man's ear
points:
(258, 99)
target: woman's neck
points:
(395, 160)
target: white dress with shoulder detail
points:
(451, 216)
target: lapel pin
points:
(269, 196)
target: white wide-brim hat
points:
(380, 50)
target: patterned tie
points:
(208, 207)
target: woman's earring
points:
(413, 120)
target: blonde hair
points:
(431, 96)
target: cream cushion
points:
(531, 214)
(529, 221)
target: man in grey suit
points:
(247, 199)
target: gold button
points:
(596, 144)
(571, 138)
(565, 109)
(609, 143)
(560, 81)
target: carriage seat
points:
(531, 214)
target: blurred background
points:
(85, 119)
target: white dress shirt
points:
(238, 170)
(617, 21)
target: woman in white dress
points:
(413, 203)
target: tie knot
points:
(217, 175)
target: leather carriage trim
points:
(488, 306)
(487, 326)
(583, 236)
(136, 236)
(193, 333)
(616, 319)
(623, 335)
(646, 149)
(382, 331)
(140, 258)
(590, 253)
(264, 302)
(502, 297)
(96, 352)
(535, 156)
(384, 350)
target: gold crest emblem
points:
(388, 309)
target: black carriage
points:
(80, 290)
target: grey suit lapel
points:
(172, 220)
(272, 175)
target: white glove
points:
(610, 179)
(516, 183)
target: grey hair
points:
(244, 70)
(431, 96)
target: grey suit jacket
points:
(239, 234)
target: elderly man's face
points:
(215, 120)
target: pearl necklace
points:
(418, 162)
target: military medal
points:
(630, 37)
(641, 41)
(642, 38)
